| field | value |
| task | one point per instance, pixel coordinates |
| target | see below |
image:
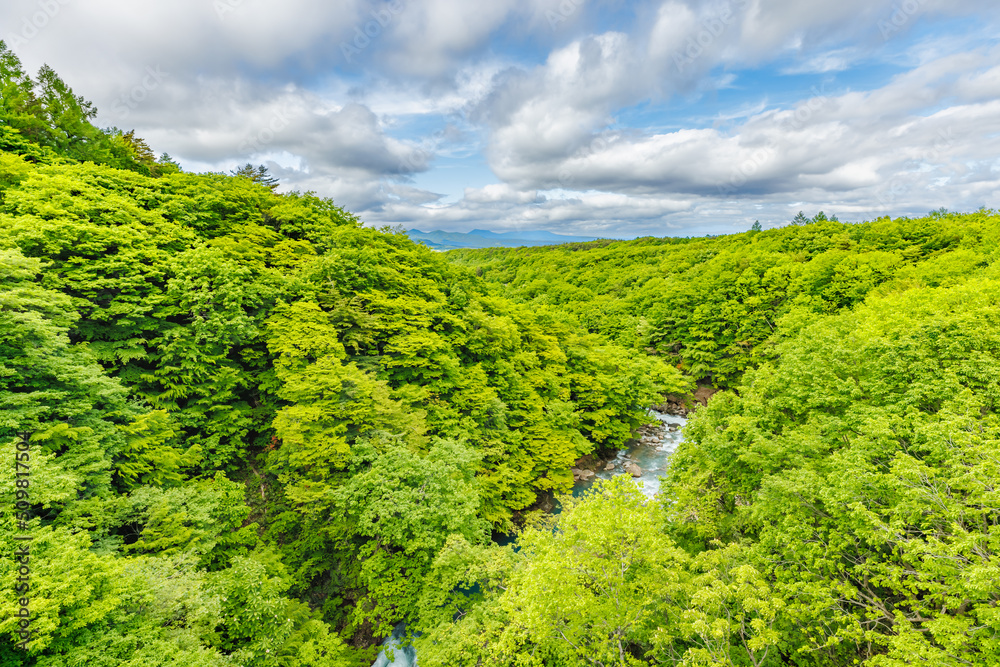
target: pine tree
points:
(258, 174)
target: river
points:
(651, 453)
(404, 656)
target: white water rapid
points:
(651, 453)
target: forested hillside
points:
(253, 423)
(710, 304)
(242, 428)
(839, 505)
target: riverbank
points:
(685, 404)
(645, 459)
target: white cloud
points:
(595, 214)
(501, 193)
(836, 60)
(243, 80)
(929, 138)
(839, 143)
(431, 36)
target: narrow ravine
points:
(402, 656)
(650, 452)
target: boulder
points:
(586, 474)
(683, 405)
(633, 469)
(610, 466)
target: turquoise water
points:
(404, 656)
(651, 454)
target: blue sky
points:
(589, 117)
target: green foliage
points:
(600, 584)
(836, 507)
(46, 122)
(263, 434)
(258, 174)
(330, 403)
(399, 509)
(262, 627)
(147, 457)
(217, 378)
(857, 465)
(710, 305)
(590, 589)
(52, 392)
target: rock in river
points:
(633, 470)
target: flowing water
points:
(651, 453)
(401, 656)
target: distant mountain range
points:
(483, 238)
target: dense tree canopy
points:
(262, 434)
(45, 121)
(837, 506)
(288, 412)
(712, 304)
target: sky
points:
(587, 117)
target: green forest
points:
(242, 428)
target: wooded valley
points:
(260, 433)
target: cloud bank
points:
(577, 116)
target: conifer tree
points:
(258, 174)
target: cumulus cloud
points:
(341, 150)
(595, 214)
(546, 92)
(100, 41)
(501, 193)
(839, 141)
(930, 136)
(430, 36)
